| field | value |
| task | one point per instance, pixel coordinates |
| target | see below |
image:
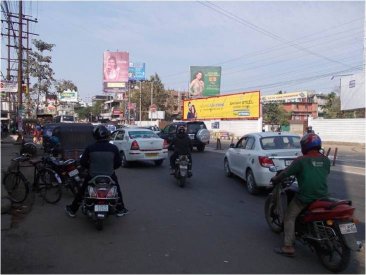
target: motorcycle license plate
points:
(101, 208)
(288, 162)
(348, 228)
(73, 173)
(183, 167)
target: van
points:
(64, 119)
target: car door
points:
(119, 140)
(235, 156)
(247, 156)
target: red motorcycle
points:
(327, 225)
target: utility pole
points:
(151, 99)
(140, 103)
(20, 73)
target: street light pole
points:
(151, 100)
(140, 104)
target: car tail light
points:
(166, 144)
(135, 145)
(265, 161)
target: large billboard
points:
(136, 71)
(353, 92)
(68, 96)
(115, 71)
(205, 81)
(234, 106)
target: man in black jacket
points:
(182, 146)
(100, 158)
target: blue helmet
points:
(309, 142)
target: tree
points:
(84, 112)
(274, 114)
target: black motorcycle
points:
(182, 169)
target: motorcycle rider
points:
(100, 158)
(311, 171)
(182, 146)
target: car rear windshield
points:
(142, 134)
(193, 128)
(280, 142)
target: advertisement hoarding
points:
(136, 71)
(244, 105)
(204, 81)
(115, 71)
(68, 96)
(353, 92)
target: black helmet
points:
(181, 129)
(310, 142)
(100, 132)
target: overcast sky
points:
(266, 46)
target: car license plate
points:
(101, 208)
(151, 154)
(347, 228)
(73, 173)
(288, 162)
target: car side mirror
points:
(232, 145)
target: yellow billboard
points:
(234, 106)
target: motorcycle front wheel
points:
(272, 218)
(99, 224)
(334, 254)
(182, 181)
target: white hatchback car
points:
(137, 144)
(253, 155)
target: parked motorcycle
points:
(182, 169)
(327, 225)
(100, 199)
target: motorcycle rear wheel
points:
(334, 254)
(272, 218)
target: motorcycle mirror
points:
(273, 168)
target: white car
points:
(137, 144)
(253, 155)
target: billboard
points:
(205, 81)
(69, 96)
(115, 71)
(353, 92)
(234, 106)
(286, 97)
(136, 71)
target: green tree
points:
(274, 114)
(84, 112)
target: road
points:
(211, 226)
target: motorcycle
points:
(100, 199)
(327, 225)
(182, 169)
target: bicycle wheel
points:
(17, 186)
(49, 186)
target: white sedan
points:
(253, 155)
(137, 144)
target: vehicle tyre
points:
(227, 170)
(124, 162)
(334, 254)
(182, 181)
(158, 162)
(272, 219)
(17, 186)
(49, 186)
(251, 185)
(99, 224)
(201, 148)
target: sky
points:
(266, 46)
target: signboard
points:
(115, 71)
(69, 96)
(204, 81)
(353, 92)
(9, 87)
(287, 97)
(157, 115)
(235, 106)
(136, 71)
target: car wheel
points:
(251, 185)
(227, 168)
(201, 148)
(158, 162)
(124, 162)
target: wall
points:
(340, 130)
(238, 128)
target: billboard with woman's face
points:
(115, 67)
(205, 81)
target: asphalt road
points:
(210, 226)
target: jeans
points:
(293, 210)
(79, 196)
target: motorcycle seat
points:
(328, 203)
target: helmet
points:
(100, 132)
(29, 148)
(181, 129)
(309, 142)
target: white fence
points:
(340, 130)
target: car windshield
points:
(193, 128)
(142, 134)
(280, 142)
(68, 118)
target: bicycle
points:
(45, 180)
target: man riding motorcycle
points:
(311, 171)
(182, 146)
(100, 158)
